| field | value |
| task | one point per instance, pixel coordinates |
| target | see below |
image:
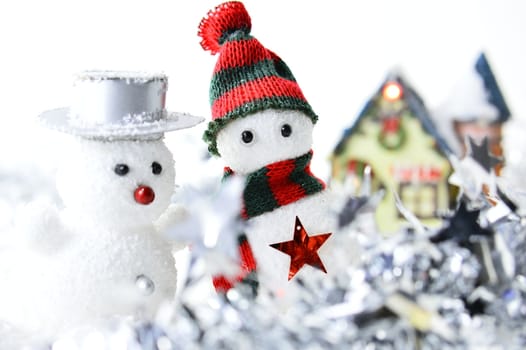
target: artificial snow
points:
(131, 77)
(468, 100)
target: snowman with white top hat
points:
(103, 255)
(262, 127)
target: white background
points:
(339, 52)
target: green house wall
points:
(416, 163)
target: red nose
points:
(144, 195)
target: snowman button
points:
(145, 285)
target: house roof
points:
(416, 106)
(494, 94)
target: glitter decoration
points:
(303, 249)
(462, 286)
(408, 293)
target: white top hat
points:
(118, 105)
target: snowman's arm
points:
(39, 227)
(172, 216)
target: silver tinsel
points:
(411, 291)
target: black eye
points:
(156, 168)
(286, 130)
(121, 169)
(247, 136)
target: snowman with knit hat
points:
(262, 128)
(103, 255)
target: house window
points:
(420, 199)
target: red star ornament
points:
(303, 249)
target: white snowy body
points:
(103, 254)
(268, 146)
(278, 226)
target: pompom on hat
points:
(113, 105)
(247, 77)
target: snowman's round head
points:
(117, 183)
(249, 143)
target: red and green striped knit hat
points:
(247, 77)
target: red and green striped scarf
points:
(278, 184)
(266, 189)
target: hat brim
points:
(58, 119)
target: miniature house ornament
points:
(475, 108)
(395, 137)
(103, 255)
